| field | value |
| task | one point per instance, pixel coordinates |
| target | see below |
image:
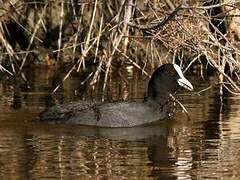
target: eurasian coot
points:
(164, 81)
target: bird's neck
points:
(158, 95)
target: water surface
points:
(205, 147)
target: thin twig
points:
(86, 45)
(133, 63)
(60, 31)
(203, 90)
(32, 38)
(181, 105)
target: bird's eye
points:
(172, 73)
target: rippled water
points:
(205, 147)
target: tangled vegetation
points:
(119, 33)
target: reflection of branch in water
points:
(181, 105)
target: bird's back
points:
(121, 114)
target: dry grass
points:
(141, 33)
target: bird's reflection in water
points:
(90, 152)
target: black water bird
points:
(164, 81)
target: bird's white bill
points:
(182, 81)
(185, 83)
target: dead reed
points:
(143, 34)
